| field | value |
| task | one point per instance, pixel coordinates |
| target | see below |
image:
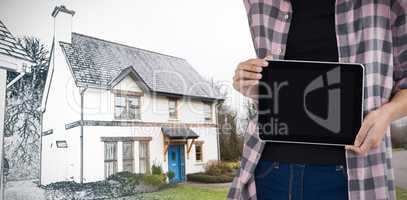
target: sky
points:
(212, 35)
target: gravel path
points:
(23, 190)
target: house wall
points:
(94, 154)
(99, 105)
(63, 164)
(60, 164)
(63, 106)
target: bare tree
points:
(22, 123)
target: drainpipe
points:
(82, 93)
(3, 78)
(217, 129)
(41, 110)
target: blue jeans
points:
(278, 181)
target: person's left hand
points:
(372, 131)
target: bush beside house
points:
(215, 172)
(118, 185)
(399, 134)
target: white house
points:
(14, 59)
(108, 107)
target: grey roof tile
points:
(9, 45)
(179, 133)
(96, 62)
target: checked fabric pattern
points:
(371, 32)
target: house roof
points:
(179, 133)
(9, 45)
(97, 63)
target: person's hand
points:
(247, 76)
(372, 131)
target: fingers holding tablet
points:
(247, 76)
(371, 132)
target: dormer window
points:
(127, 106)
(173, 108)
(207, 111)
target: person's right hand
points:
(247, 76)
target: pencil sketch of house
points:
(108, 107)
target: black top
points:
(312, 36)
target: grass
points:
(184, 192)
(190, 192)
(401, 194)
(398, 149)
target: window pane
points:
(120, 101)
(110, 158)
(173, 156)
(144, 157)
(119, 112)
(198, 152)
(128, 166)
(134, 107)
(143, 166)
(128, 158)
(110, 169)
(127, 150)
(143, 149)
(110, 151)
(207, 111)
(172, 103)
(172, 108)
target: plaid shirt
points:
(370, 32)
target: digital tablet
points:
(311, 102)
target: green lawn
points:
(189, 192)
(401, 194)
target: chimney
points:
(62, 24)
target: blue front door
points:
(176, 162)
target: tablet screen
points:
(310, 102)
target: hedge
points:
(118, 185)
(206, 178)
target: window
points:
(127, 107)
(172, 107)
(110, 158)
(198, 152)
(144, 157)
(128, 157)
(208, 111)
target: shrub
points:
(206, 178)
(233, 165)
(156, 169)
(154, 180)
(170, 175)
(120, 184)
(399, 133)
(120, 177)
(218, 168)
(65, 185)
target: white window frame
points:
(112, 160)
(200, 144)
(131, 159)
(208, 115)
(127, 97)
(144, 158)
(173, 110)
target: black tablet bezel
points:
(308, 139)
